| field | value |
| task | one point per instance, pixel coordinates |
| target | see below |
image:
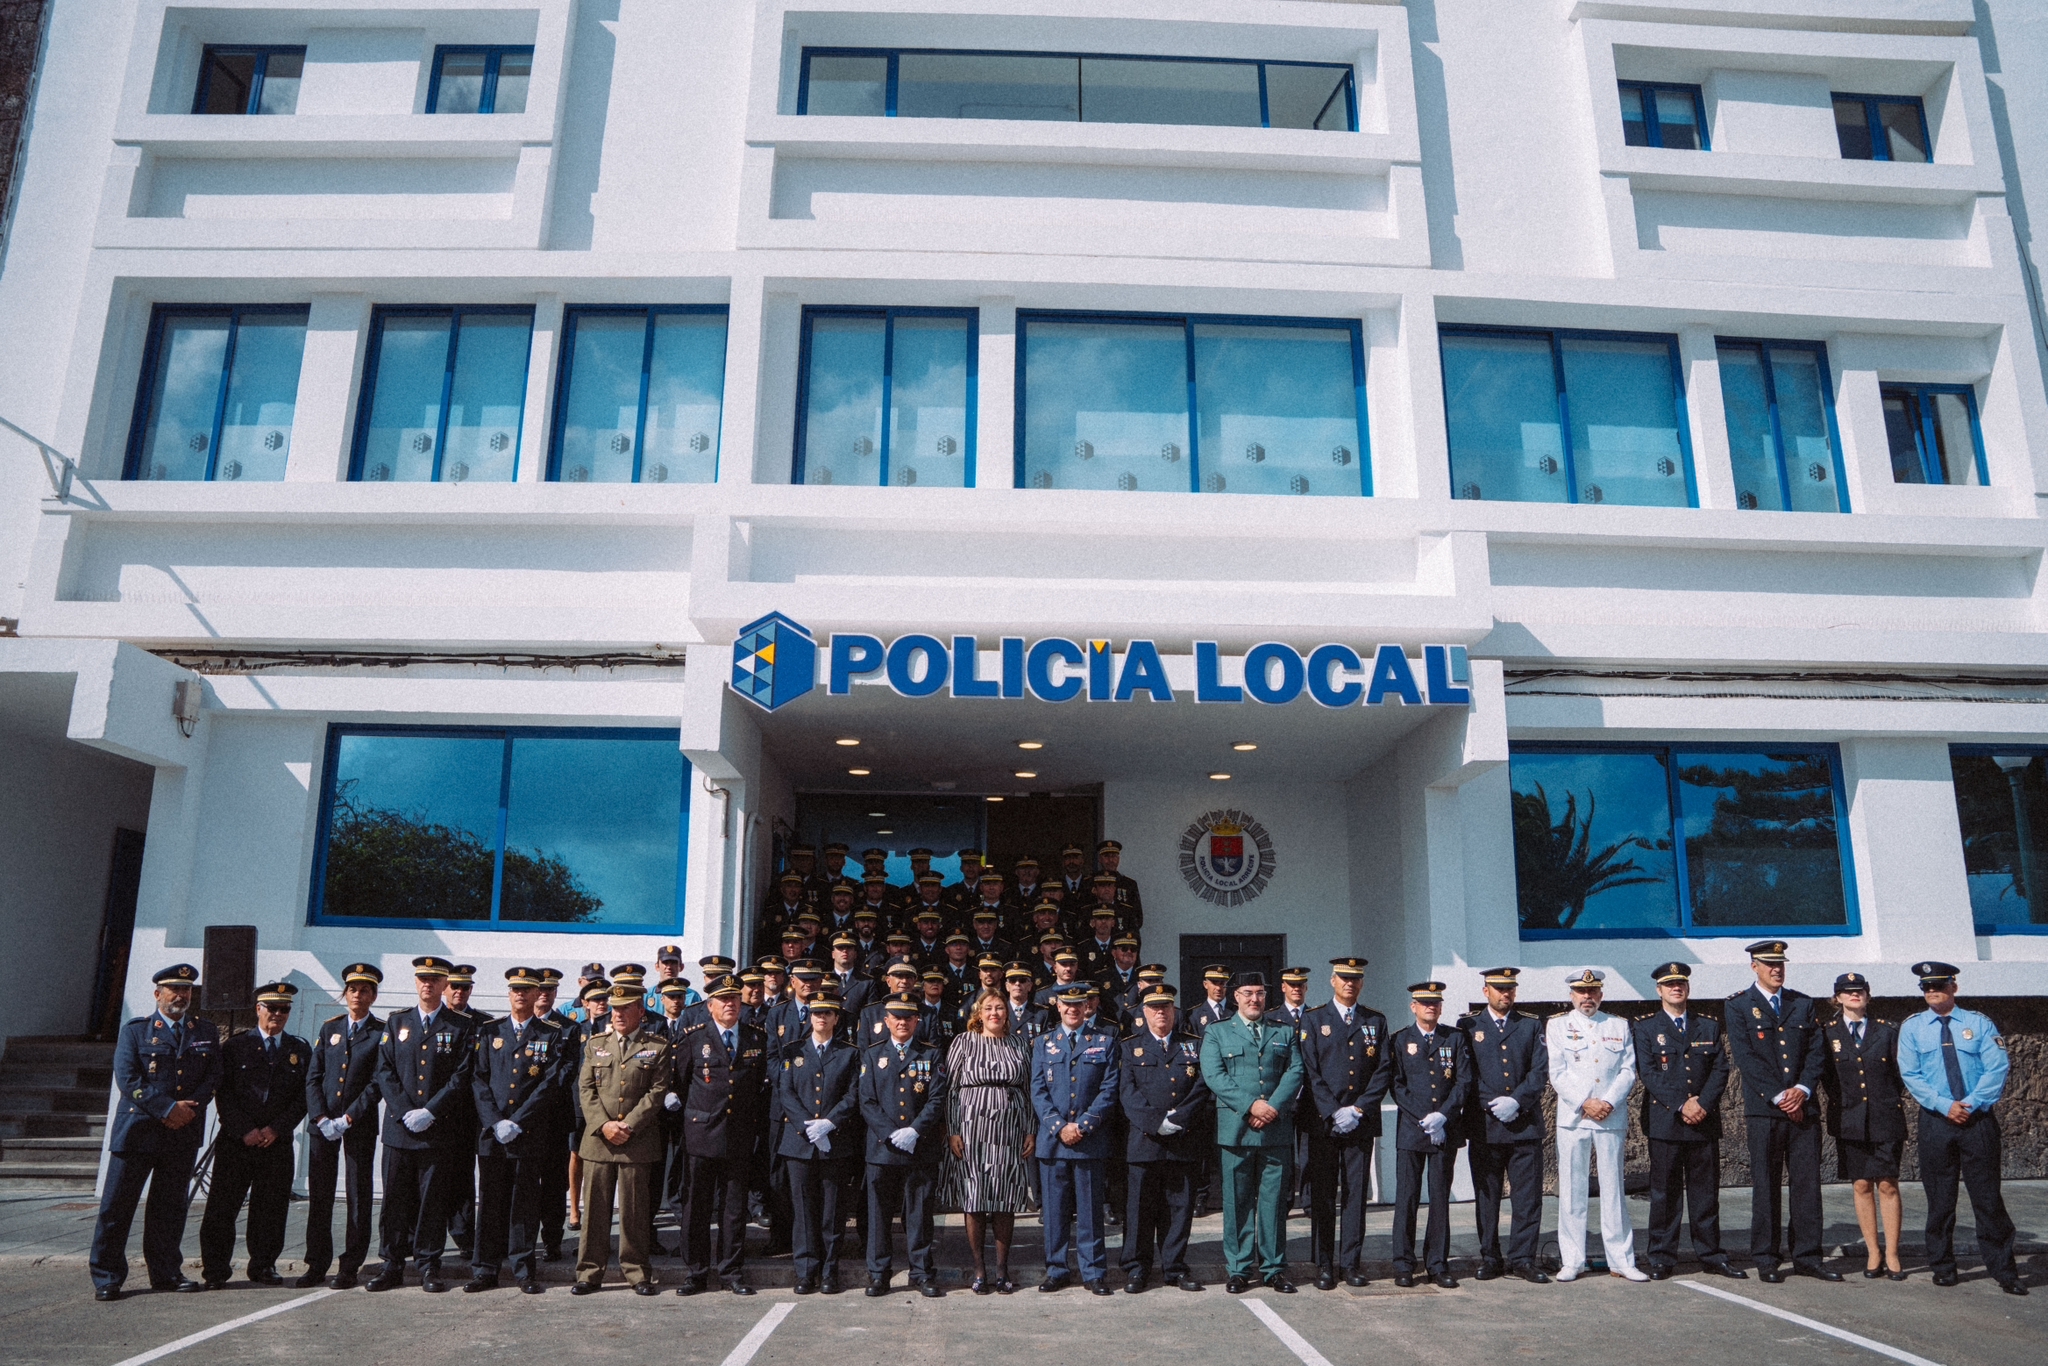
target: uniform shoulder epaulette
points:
(1735, 994)
(693, 1028)
(544, 1022)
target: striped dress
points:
(989, 1106)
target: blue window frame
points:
(444, 395)
(1192, 403)
(480, 80)
(639, 396)
(1882, 128)
(1654, 114)
(219, 390)
(2002, 808)
(1566, 417)
(886, 396)
(1074, 87)
(1621, 841)
(1782, 437)
(485, 827)
(1933, 433)
(249, 80)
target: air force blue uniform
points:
(1074, 1081)
(1944, 1059)
(156, 1065)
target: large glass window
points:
(219, 389)
(480, 80)
(1933, 433)
(1192, 404)
(918, 83)
(2002, 806)
(1631, 840)
(1566, 417)
(1781, 426)
(1655, 115)
(249, 80)
(1882, 128)
(639, 396)
(887, 397)
(474, 828)
(445, 395)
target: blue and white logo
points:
(774, 662)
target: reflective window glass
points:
(842, 412)
(1677, 119)
(1635, 120)
(1668, 116)
(1500, 400)
(2002, 807)
(1106, 406)
(262, 396)
(986, 85)
(1279, 410)
(1800, 382)
(1623, 400)
(1761, 846)
(515, 73)
(1852, 130)
(220, 395)
(445, 398)
(1882, 128)
(1954, 422)
(177, 440)
(409, 385)
(1122, 90)
(1753, 450)
(226, 81)
(685, 399)
(1902, 433)
(605, 434)
(486, 397)
(592, 831)
(280, 92)
(847, 85)
(601, 410)
(1593, 842)
(1933, 434)
(1303, 96)
(1905, 136)
(412, 827)
(461, 87)
(928, 405)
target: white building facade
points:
(1558, 482)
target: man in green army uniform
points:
(625, 1078)
(1253, 1067)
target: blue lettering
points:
(1258, 664)
(967, 679)
(1013, 666)
(853, 656)
(1391, 674)
(1038, 670)
(1440, 666)
(1099, 661)
(902, 651)
(1144, 672)
(1321, 661)
(1208, 667)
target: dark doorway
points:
(1265, 953)
(117, 928)
(1039, 825)
(944, 823)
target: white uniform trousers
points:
(1574, 1146)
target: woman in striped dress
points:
(988, 1113)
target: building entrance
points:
(1265, 953)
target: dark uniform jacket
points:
(1346, 1065)
(1209, 1012)
(1864, 1092)
(1774, 1051)
(517, 1078)
(903, 1092)
(1156, 1083)
(725, 1096)
(810, 1086)
(855, 994)
(153, 1075)
(1676, 1067)
(260, 1090)
(1429, 1076)
(1508, 1059)
(1097, 959)
(420, 1067)
(341, 1079)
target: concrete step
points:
(16, 1124)
(13, 1173)
(53, 1076)
(78, 1149)
(72, 1100)
(59, 1051)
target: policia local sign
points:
(775, 661)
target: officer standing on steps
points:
(261, 1100)
(518, 1070)
(1510, 1068)
(1431, 1085)
(1684, 1071)
(424, 1069)
(1954, 1063)
(1344, 1053)
(1774, 1038)
(341, 1129)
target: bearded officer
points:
(1343, 1053)
(625, 1080)
(424, 1069)
(261, 1100)
(1774, 1039)
(1253, 1068)
(1164, 1101)
(341, 1130)
(518, 1070)
(1510, 1068)
(1592, 1068)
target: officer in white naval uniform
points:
(1592, 1069)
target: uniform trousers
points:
(347, 1163)
(675, 1189)
(1969, 1151)
(169, 1178)
(1410, 1169)
(821, 1190)
(1159, 1207)
(1256, 1184)
(1074, 1191)
(462, 1205)
(1781, 1150)
(508, 1196)
(631, 1186)
(554, 1186)
(416, 1195)
(1522, 1165)
(1685, 1179)
(1577, 1150)
(717, 1190)
(1336, 1200)
(261, 1176)
(910, 1191)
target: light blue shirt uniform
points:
(1979, 1050)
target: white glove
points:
(506, 1130)
(1433, 1124)
(815, 1129)
(418, 1120)
(332, 1130)
(1345, 1120)
(672, 1101)
(824, 1144)
(904, 1139)
(1505, 1108)
(1167, 1128)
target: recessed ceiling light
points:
(858, 772)
(1031, 744)
(876, 815)
(1218, 777)
(885, 832)
(991, 799)
(1244, 747)
(1025, 773)
(846, 740)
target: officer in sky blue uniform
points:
(341, 1129)
(1164, 1099)
(1510, 1068)
(262, 1098)
(518, 1071)
(1073, 1091)
(167, 1067)
(1345, 1060)
(1954, 1063)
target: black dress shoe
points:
(1532, 1273)
(552, 1253)
(212, 1283)
(1136, 1284)
(2014, 1286)
(107, 1294)
(1488, 1272)
(311, 1279)
(877, 1288)
(806, 1286)
(1053, 1283)
(1356, 1279)
(1946, 1278)
(1728, 1269)
(647, 1288)
(1445, 1281)
(479, 1283)
(1873, 1273)
(1405, 1281)
(1237, 1285)
(1098, 1287)
(1188, 1282)
(1770, 1275)
(829, 1285)
(184, 1285)
(267, 1276)
(932, 1290)
(1660, 1273)
(390, 1278)
(1279, 1283)
(1819, 1273)
(1326, 1280)
(583, 1288)
(692, 1286)
(529, 1286)
(433, 1284)
(739, 1287)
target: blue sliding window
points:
(249, 80)
(2002, 806)
(1933, 433)
(480, 80)
(1629, 841)
(445, 395)
(1566, 417)
(920, 83)
(475, 828)
(219, 390)
(1654, 115)
(1882, 128)
(1191, 404)
(639, 396)
(886, 397)
(1781, 426)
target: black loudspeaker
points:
(227, 979)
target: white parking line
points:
(751, 1343)
(193, 1339)
(1295, 1342)
(1868, 1344)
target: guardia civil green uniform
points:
(1245, 1061)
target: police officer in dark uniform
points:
(1774, 1037)
(781, 913)
(1344, 1057)
(902, 975)
(815, 1123)
(462, 1200)
(1866, 1117)
(1164, 1102)
(1288, 1010)
(424, 1069)
(262, 1098)
(518, 1070)
(1216, 1006)
(721, 1091)
(1130, 903)
(1431, 1085)
(341, 1128)
(167, 1066)
(560, 1119)
(1098, 951)
(1510, 1068)
(1028, 1019)
(1684, 1071)
(902, 1091)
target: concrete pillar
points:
(995, 437)
(1911, 889)
(536, 430)
(323, 422)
